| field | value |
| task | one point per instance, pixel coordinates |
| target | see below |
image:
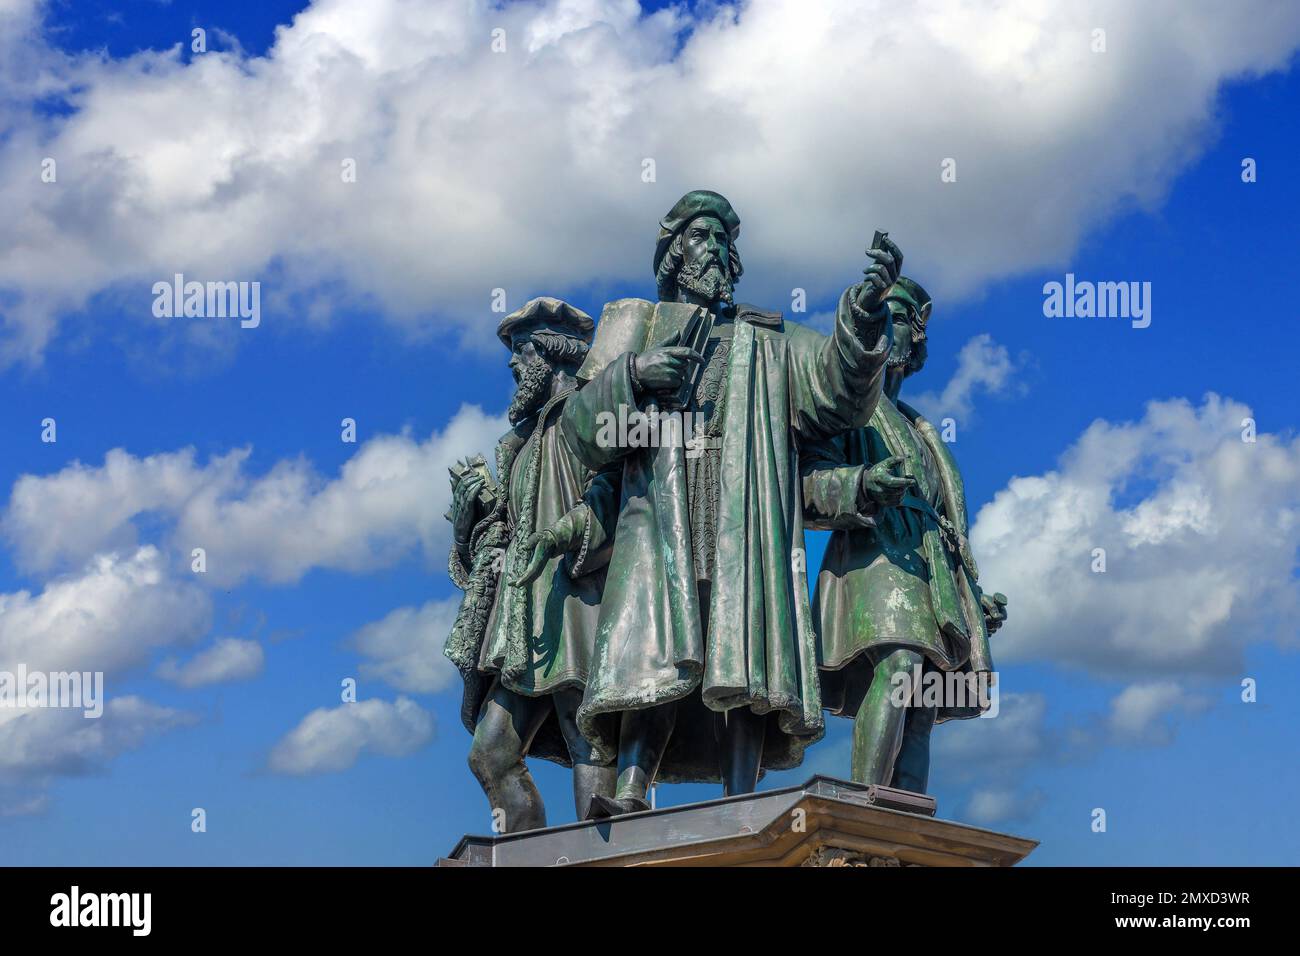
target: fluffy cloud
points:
(330, 740)
(228, 659)
(110, 617)
(387, 501)
(522, 169)
(113, 604)
(404, 648)
(38, 744)
(1145, 713)
(982, 366)
(1200, 531)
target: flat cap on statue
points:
(555, 314)
(697, 202)
(910, 292)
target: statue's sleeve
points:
(458, 565)
(835, 380)
(592, 412)
(832, 488)
(601, 504)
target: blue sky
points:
(1149, 726)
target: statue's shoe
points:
(602, 807)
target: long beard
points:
(897, 360)
(709, 280)
(910, 361)
(533, 391)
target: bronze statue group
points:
(639, 609)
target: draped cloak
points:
(784, 384)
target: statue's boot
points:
(513, 794)
(591, 781)
(588, 776)
(643, 737)
(602, 807)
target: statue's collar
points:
(756, 316)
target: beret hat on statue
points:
(551, 314)
(697, 202)
(910, 292)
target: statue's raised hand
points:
(660, 371)
(881, 485)
(881, 275)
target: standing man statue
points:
(898, 592)
(524, 650)
(705, 658)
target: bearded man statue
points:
(898, 599)
(705, 659)
(530, 555)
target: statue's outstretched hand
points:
(882, 486)
(880, 275)
(995, 609)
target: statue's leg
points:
(740, 735)
(912, 768)
(507, 723)
(878, 726)
(588, 778)
(642, 739)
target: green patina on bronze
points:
(653, 599)
(898, 587)
(706, 649)
(545, 526)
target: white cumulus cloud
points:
(388, 501)
(404, 648)
(982, 366)
(228, 659)
(111, 616)
(1199, 530)
(329, 740)
(1145, 713)
(522, 168)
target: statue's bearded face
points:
(533, 374)
(907, 353)
(705, 252)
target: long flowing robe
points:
(785, 383)
(537, 639)
(895, 578)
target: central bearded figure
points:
(704, 666)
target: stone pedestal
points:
(824, 822)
